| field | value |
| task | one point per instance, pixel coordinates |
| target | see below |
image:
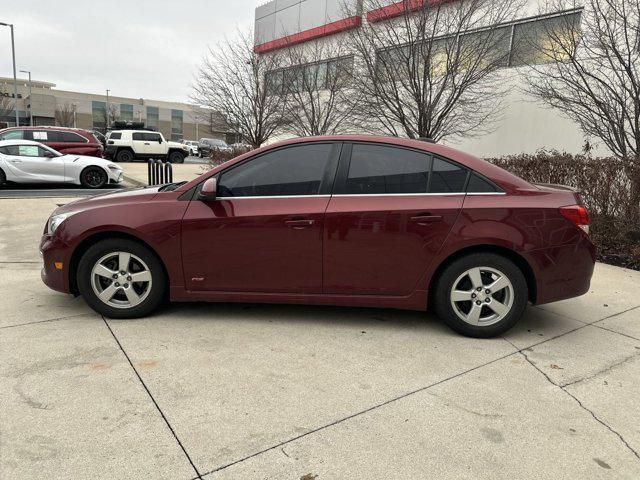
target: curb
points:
(134, 181)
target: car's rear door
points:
(390, 212)
(263, 233)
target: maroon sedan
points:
(348, 220)
(71, 141)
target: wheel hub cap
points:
(121, 280)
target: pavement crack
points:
(604, 370)
(577, 400)
(45, 321)
(155, 403)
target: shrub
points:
(218, 157)
(606, 188)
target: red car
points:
(72, 141)
(347, 220)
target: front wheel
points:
(481, 295)
(93, 177)
(120, 278)
(176, 157)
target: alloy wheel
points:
(121, 280)
(482, 296)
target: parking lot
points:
(293, 392)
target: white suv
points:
(129, 145)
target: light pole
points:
(30, 99)
(15, 80)
(107, 110)
(74, 114)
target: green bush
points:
(606, 188)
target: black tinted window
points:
(71, 137)
(137, 136)
(115, 136)
(447, 177)
(478, 184)
(10, 150)
(151, 137)
(43, 135)
(377, 169)
(289, 171)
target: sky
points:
(135, 48)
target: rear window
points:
(11, 135)
(477, 184)
(72, 137)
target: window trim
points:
(326, 183)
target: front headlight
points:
(55, 221)
(113, 166)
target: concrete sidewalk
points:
(136, 174)
(292, 392)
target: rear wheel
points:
(120, 278)
(93, 177)
(124, 156)
(176, 157)
(481, 295)
(3, 178)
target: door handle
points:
(299, 224)
(147, 143)
(16, 161)
(424, 219)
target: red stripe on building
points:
(398, 8)
(311, 34)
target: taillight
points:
(576, 214)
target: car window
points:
(296, 170)
(71, 137)
(447, 177)
(30, 151)
(10, 150)
(115, 136)
(11, 135)
(151, 137)
(137, 136)
(376, 169)
(45, 135)
(477, 184)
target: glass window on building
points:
(545, 40)
(491, 46)
(126, 112)
(99, 114)
(176, 124)
(153, 117)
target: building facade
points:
(50, 106)
(525, 124)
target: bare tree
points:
(232, 80)
(65, 115)
(316, 82)
(591, 74)
(431, 71)
(6, 109)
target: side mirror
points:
(160, 140)
(208, 190)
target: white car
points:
(25, 161)
(193, 147)
(130, 145)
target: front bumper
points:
(54, 250)
(116, 177)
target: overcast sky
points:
(135, 48)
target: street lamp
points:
(30, 99)
(74, 105)
(107, 110)
(15, 80)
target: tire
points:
(469, 318)
(124, 156)
(191, 153)
(3, 178)
(93, 177)
(126, 298)
(176, 157)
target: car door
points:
(155, 144)
(263, 233)
(35, 163)
(140, 144)
(390, 213)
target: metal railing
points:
(159, 172)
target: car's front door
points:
(391, 210)
(35, 163)
(139, 143)
(263, 233)
(155, 144)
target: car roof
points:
(46, 127)
(7, 143)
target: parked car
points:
(62, 139)
(346, 220)
(100, 137)
(129, 145)
(25, 161)
(193, 147)
(208, 145)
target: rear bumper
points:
(54, 250)
(562, 272)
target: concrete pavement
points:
(292, 392)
